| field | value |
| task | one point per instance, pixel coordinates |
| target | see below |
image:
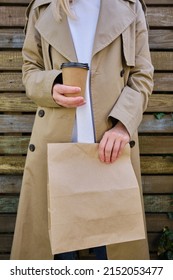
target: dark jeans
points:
(100, 253)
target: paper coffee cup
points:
(75, 74)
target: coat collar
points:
(117, 13)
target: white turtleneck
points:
(83, 29)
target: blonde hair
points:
(59, 5)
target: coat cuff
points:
(128, 110)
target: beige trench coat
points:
(121, 81)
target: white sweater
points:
(83, 29)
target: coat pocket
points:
(128, 40)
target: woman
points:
(111, 36)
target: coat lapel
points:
(57, 34)
(115, 16)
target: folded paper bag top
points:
(91, 203)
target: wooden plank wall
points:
(156, 135)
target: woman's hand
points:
(113, 142)
(59, 91)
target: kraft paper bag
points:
(91, 203)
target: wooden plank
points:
(11, 38)
(161, 102)
(5, 243)
(23, 2)
(156, 222)
(156, 165)
(7, 223)
(156, 144)
(16, 102)
(149, 165)
(19, 102)
(163, 82)
(8, 204)
(153, 240)
(24, 123)
(157, 184)
(11, 82)
(152, 125)
(10, 184)
(12, 16)
(158, 203)
(162, 60)
(10, 145)
(4, 256)
(160, 38)
(12, 165)
(10, 60)
(160, 17)
(159, 2)
(16, 123)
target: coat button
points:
(122, 73)
(132, 144)
(41, 113)
(32, 147)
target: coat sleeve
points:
(37, 80)
(133, 99)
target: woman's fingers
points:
(113, 142)
(60, 96)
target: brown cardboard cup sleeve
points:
(91, 203)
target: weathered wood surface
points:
(163, 82)
(11, 82)
(160, 102)
(10, 38)
(10, 184)
(8, 204)
(14, 38)
(159, 184)
(149, 164)
(153, 203)
(156, 222)
(162, 61)
(156, 144)
(5, 243)
(16, 123)
(14, 16)
(156, 135)
(11, 165)
(11, 145)
(158, 203)
(157, 2)
(160, 39)
(12, 60)
(24, 123)
(152, 125)
(14, 2)
(160, 17)
(163, 184)
(157, 164)
(7, 223)
(16, 102)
